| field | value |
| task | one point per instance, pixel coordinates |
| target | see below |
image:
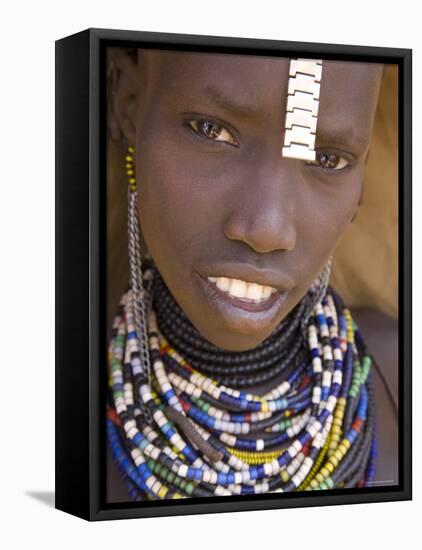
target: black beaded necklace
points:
(190, 428)
(253, 367)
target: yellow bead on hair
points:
(130, 169)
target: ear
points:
(122, 83)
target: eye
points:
(211, 130)
(330, 161)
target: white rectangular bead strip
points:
(299, 134)
(296, 151)
(302, 100)
(302, 109)
(304, 83)
(311, 67)
(300, 117)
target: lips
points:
(248, 292)
(245, 303)
(242, 317)
(249, 274)
(236, 314)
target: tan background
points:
(365, 265)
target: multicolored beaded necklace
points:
(193, 430)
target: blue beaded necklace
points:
(183, 434)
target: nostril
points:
(262, 235)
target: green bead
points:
(329, 482)
(189, 488)
(170, 477)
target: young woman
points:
(233, 242)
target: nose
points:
(262, 214)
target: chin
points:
(236, 324)
(235, 341)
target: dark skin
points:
(214, 189)
(233, 198)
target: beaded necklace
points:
(186, 432)
(235, 369)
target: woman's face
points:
(216, 197)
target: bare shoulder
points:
(380, 333)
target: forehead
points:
(257, 86)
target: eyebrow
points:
(339, 138)
(334, 138)
(228, 104)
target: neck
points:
(258, 369)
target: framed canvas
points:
(233, 274)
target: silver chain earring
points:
(316, 293)
(140, 279)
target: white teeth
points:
(255, 292)
(266, 292)
(222, 283)
(238, 288)
(242, 289)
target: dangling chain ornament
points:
(141, 292)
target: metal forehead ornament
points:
(302, 108)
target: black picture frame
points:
(80, 380)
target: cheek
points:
(177, 203)
(342, 208)
(330, 207)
